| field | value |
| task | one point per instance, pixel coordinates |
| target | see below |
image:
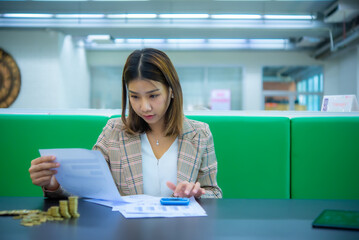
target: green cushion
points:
(325, 158)
(252, 154)
(23, 135)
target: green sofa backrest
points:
(21, 136)
(325, 158)
(258, 157)
(253, 155)
(252, 152)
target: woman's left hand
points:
(186, 189)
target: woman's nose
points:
(145, 106)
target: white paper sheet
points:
(84, 173)
(144, 206)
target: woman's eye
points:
(134, 97)
(153, 96)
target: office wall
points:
(341, 74)
(251, 61)
(54, 72)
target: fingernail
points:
(175, 194)
(186, 192)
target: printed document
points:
(144, 206)
(84, 173)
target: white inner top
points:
(156, 172)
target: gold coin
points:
(27, 224)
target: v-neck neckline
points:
(152, 152)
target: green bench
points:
(258, 157)
(325, 158)
(251, 162)
(23, 135)
(253, 155)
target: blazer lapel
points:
(188, 154)
(132, 160)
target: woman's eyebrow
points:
(155, 90)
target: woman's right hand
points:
(42, 172)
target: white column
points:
(357, 67)
(252, 88)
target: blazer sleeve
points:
(207, 175)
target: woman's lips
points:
(148, 117)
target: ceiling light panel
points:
(236, 16)
(184, 16)
(186, 41)
(98, 37)
(141, 15)
(97, 16)
(27, 15)
(289, 17)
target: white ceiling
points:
(167, 28)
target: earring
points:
(172, 96)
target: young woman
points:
(154, 150)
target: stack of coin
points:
(30, 218)
(64, 209)
(55, 212)
(73, 204)
(17, 212)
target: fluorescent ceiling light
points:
(142, 40)
(153, 40)
(119, 40)
(80, 15)
(236, 16)
(134, 40)
(226, 41)
(134, 15)
(289, 17)
(186, 41)
(267, 41)
(141, 15)
(134, 43)
(184, 15)
(98, 37)
(27, 15)
(116, 15)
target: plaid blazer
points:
(196, 157)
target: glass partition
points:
(298, 88)
(204, 87)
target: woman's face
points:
(149, 99)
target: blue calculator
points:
(174, 201)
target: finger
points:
(179, 192)
(42, 174)
(195, 189)
(200, 192)
(43, 166)
(171, 185)
(42, 159)
(43, 181)
(188, 189)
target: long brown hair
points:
(155, 65)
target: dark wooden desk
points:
(227, 219)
